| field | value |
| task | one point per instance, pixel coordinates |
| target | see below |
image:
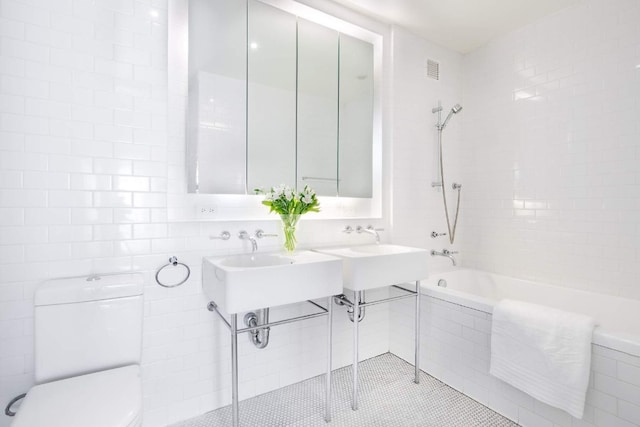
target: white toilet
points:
(88, 344)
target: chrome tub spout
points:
(447, 253)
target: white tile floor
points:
(388, 397)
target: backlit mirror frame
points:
(247, 207)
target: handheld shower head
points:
(455, 110)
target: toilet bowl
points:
(111, 398)
(88, 342)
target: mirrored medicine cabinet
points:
(279, 98)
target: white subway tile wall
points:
(456, 349)
(551, 120)
(91, 159)
(417, 208)
(92, 166)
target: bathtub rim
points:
(615, 341)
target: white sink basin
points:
(247, 282)
(375, 266)
(381, 249)
(253, 261)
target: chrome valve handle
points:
(260, 234)
(225, 235)
(360, 229)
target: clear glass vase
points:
(289, 224)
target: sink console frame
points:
(357, 305)
(232, 325)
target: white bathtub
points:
(455, 338)
(618, 319)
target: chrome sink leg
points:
(232, 324)
(234, 370)
(356, 310)
(417, 343)
(327, 414)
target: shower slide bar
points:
(232, 325)
(440, 125)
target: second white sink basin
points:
(375, 266)
(247, 282)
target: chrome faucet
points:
(243, 235)
(370, 230)
(445, 252)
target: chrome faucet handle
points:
(225, 235)
(260, 234)
(348, 229)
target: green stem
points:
(289, 223)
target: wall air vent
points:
(433, 69)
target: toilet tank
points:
(87, 324)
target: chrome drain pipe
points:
(361, 310)
(343, 300)
(259, 337)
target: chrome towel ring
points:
(173, 262)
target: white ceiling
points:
(461, 25)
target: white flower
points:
(284, 200)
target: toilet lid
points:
(110, 398)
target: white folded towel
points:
(543, 351)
